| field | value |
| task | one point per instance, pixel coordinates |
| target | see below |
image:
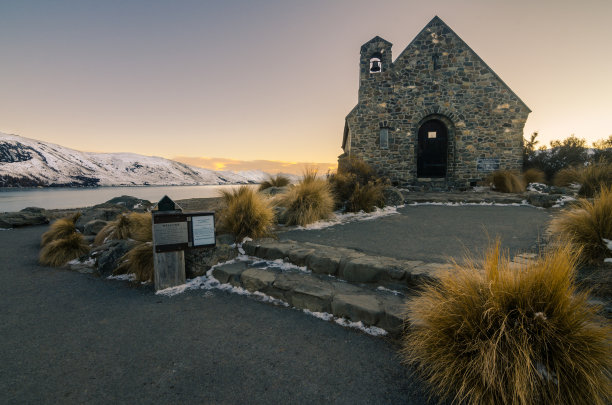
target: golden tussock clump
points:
(510, 336)
(59, 252)
(138, 261)
(534, 176)
(309, 201)
(274, 181)
(505, 181)
(246, 213)
(593, 177)
(60, 229)
(366, 198)
(135, 225)
(567, 176)
(585, 226)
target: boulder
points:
(129, 202)
(258, 279)
(93, 227)
(229, 273)
(199, 261)
(393, 196)
(357, 307)
(108, 255)
(270, 191)
(26, 217)
(98, 214)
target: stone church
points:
(436, 116)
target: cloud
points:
(269, 166)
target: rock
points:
(368, 269)
(98, 214)
(542, 200)
(129, 202)
(360, 307)
(93, 227)
(26, 217)
(108, 255)
(270, 191)
(392, 319)
(312, 294)
(225, 239)
(229, 273)
(199, 261)
(258, 279)
(393, 196)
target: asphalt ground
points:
(71, 338)
(437, 233)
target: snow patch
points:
(370, 330)
(523, 203)
(562, 200)
(394, 292)
(5, 229)
(123, 277)
(341, 219)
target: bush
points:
(247, 213)
(510, 336)
(309, 201)
(594, 177)
(505, 181)
(278, 181)
(534, 176)
(585, 226)
(135, 225)
(566, 177)
(366, 198)
(362, 171)
(138, 261)
(60, 251)
(60, 229)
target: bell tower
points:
(375, 60)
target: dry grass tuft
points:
(60, 229)
(278, 181)
(594, 177)
(534, 176)
(505, 181)
(567, 176)
(247, 213)
(135, 225)
(309, 201)
(510, 336)
(138, 261)
(585, 226)
(60, 251)
(366, 198)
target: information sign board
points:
(487, 164)
(174, 231)
(202, 230)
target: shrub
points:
(505, 181)
(594, 177)
(366, 198)
(585, 226)
(278, 181)
(60, 229)
(362, 171)
(138, 261)
(135, 225)
(60, 251)
(309, 201)
(534, 176)
(247, 213)
(510, 336)
(567, 176)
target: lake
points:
(52, 198)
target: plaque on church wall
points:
(487, 164)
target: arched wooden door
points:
(432, 149)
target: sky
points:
(226, 83)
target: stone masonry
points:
(437, 77)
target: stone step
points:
(348, 264)
(373, 306)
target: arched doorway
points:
(432, 149)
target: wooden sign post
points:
(173, 232)
(169, 236)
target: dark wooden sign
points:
(174, 231)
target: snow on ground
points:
(523, 203)
(341, 219)
(123, 277)
(562, 200)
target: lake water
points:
(51, 198)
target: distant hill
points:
(27, 162)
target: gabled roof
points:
(377, 39)
(437, 19)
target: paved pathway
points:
(74, 338)
(434, 233)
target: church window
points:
(384, 138)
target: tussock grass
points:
(534, 176)
(309, 201)
(357, 167)
(594, 177)
(138, 261)
(505, 181)
(135, 225)
(585, 226)
(247, 213)
(366, 198)
(60, 251)
(60, 229)
(567, 176)
(274, 181)
(510, 336)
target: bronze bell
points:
(375, 66)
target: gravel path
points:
(74, 338)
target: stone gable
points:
(471, 122)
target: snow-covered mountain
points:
(27, 162)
